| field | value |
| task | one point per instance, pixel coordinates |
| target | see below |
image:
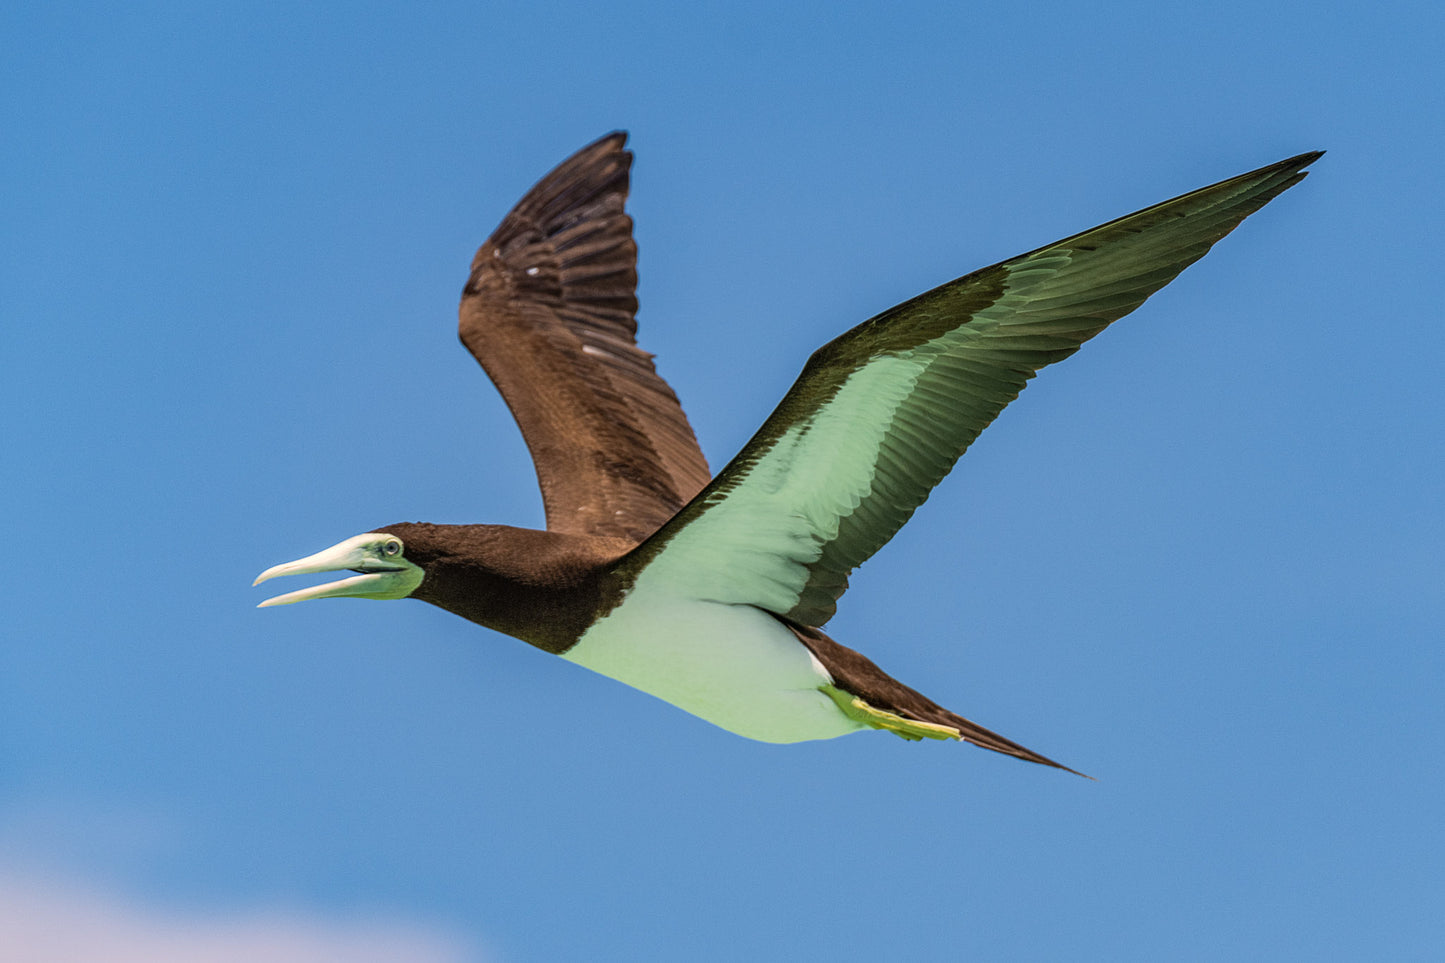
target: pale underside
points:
(700, 636)
(734, 665)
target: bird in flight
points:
(711, 591)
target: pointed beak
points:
(379, 578)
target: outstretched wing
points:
(881, 414)
(548, 311)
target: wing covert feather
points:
(881, 414)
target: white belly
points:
(733, 665)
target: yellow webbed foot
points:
(855, 708)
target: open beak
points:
(379, 578)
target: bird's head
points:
(378, 558)
(540, 587)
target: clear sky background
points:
(1201, 560)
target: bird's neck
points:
(541, 587)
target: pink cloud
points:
(42, 921)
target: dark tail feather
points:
(855, 673)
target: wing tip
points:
(602, 167)
(1303, 160)
(589, 187)
(1293, 166)
(617, 140)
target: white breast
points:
(733, 665)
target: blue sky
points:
(1200, 561)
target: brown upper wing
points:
(548, 311)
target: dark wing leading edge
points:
(548, 311)
(881, 414)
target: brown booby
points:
(711, 592)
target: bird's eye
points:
(391, 548)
